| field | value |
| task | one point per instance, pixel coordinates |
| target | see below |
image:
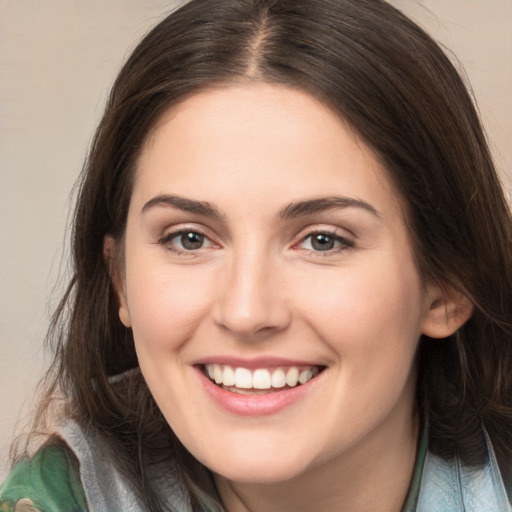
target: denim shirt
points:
(440, 485)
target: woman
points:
(292, 277)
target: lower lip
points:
(256, 405)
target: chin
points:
(262, 474)
(261, 468)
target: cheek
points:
(166, 305)
(370, 318)
(368, 309)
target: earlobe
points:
(124, 315)
(117, 283)
(448, 310)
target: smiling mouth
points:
(261, 380)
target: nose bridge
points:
(250, 299)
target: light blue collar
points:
(441, 485)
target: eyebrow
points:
(302, 208)
(293, 210)
(187, 205)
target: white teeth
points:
(305, 375)
(217, 373)
(259, 379)
(228, 376)
(292, 376)
(243, 378)
(278, 378)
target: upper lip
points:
(255, 363)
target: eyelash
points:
(166, 241)
(343, 243)
(340, 243)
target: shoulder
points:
(49, 481)
(105, 486)
(77, 472)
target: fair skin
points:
(265, 240)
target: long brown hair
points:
(392, 83)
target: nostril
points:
(252, 320)
(249, 300)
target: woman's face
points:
(266, 250)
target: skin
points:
(258, 287)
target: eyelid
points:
(346, 242)
(180, 229)
(176, 234)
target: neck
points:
(371, 476)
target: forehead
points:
(256, 135)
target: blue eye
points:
(323, 242)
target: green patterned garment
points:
(48, 483)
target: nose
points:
(251, 303)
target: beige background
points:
(57, 61)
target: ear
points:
(109, 254)
(448, 310)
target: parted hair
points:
(402, 95)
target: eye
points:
(324, 242)
(184, 241)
